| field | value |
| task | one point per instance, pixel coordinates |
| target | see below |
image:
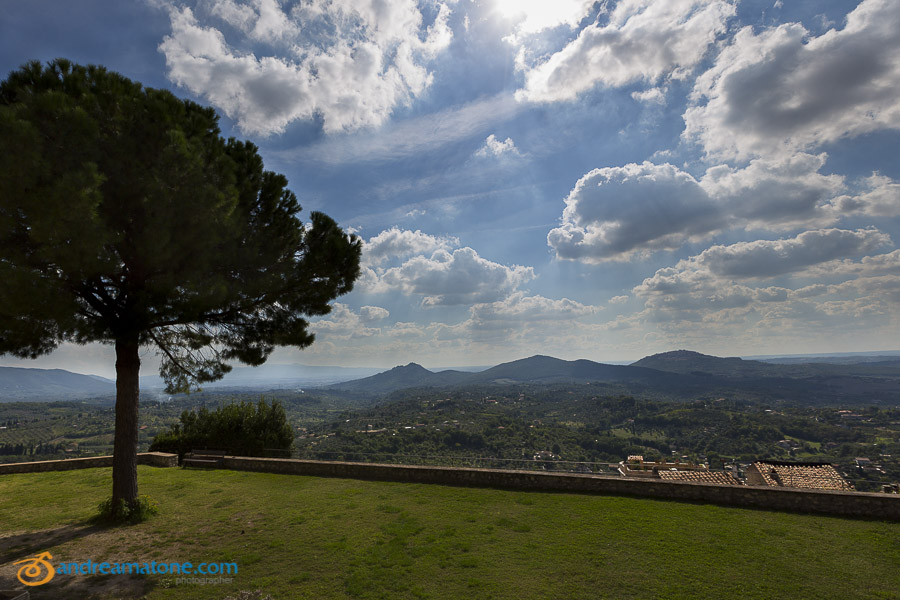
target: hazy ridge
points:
(676, 374)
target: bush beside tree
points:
(243, 429)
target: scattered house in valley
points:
(788, 444)
(369, 430)
(807, 475)
(849, 415)
(546, 455)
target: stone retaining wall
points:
(855, 504)
(156, 459)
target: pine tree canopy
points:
(124, 215)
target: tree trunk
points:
(128, 367)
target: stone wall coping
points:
(855, 504)
(551, 474)
(159, 459)
(836, 502)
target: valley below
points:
(542, 413)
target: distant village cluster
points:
(772, 473)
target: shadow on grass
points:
(89, 587)
(23, 545)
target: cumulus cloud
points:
(615, 212)
(344, 323)
(263, 21)
(643, 40)
(770, 97)
(880, 198)
(781, 90)
(513, 325)
(371, 314)
(767, 258)
(870, 294)
(401, 243)
(652, 96)
(458, 277)
(522, 308)
(521, 322)
(685, 294)
(417, 263)
(729, 282)
(778, 194)
(368, 280)
(347, 63)
(868, 266)
(494, 147)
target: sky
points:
(601, 180)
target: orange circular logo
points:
(32, 571)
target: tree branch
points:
(165, 350)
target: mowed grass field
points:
(306, 537)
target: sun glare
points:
(531, 16)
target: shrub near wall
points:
(243, 429)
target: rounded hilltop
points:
(688, 361)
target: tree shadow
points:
(25, 545)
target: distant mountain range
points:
(681, 373)
(688, 362)
(535, 370)
(275, 377)
(677, 374)
(24, 384)
(18, 383)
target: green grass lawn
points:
(306, 537)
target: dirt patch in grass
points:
(76, 543)
(18, 545)
(82, 542)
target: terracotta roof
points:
(816, 476)
(717, 477)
